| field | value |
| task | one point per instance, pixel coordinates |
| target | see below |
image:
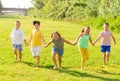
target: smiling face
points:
(55, 36)
(37, 26)
(106, 27)
(86, 30)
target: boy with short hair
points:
(36, 40)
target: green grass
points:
(10, 70)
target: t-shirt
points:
(83, 41)
(17, 36)
(58, 43)
(105, 37)
(36, 38)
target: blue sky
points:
(16, 3)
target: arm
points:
(66, 41)
(96, 39)
(48, 43)
(43, 40)
(29, 40)
(91, 41)
(76, 40)
(114, 39)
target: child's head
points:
(86, 30)
(17, 24)
(36, 24)
(106, 26)
(55, 35)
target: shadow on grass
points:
(106, 72)
(81, 74)
(29, 63)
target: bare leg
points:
(38, 60)
(60, 60)
(15, 52)
(107, 56)
(54, 59)
(104, 58)
(20, 56)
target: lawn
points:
(10, 70)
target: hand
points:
(45, 46)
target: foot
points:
(54, 67)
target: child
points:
(105, 42)
(83, 39)
(58, 47)
(36, 39)
(17, 35)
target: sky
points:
(16, 3)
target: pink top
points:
(105, 37)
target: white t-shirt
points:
(17, 36)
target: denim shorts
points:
(105, 48)
(59, 51)
(19, 47)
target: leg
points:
(107, 56)
(83, 58)
(38, 60)
(60, 60)
(15, 52)
(54, 59)
(86, 54)
(20, 55)
(104, 58)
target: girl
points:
(82, 40)
(58, 47)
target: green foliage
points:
(0, 6)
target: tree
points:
(0, 6)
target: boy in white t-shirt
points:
(17, 35)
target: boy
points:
(17, 35)
(105, 42)
(36, 39)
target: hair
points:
(106, 23)
(34, 22)
(18, 22)
(84, 29)
(55, 33)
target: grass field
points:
(10, 70)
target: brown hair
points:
(18, 22)
(106, 23)
(55, 33)
(34, 22)
(84, 28)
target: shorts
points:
(36, 50)
(105, 48)
(19, 47)
(59, 51)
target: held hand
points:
(45, 46)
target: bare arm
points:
(43, 40)
(48, 43)
(91, 41)
(66, 41)
(29, 40)
(96, 40)
(114, 39)
(76, 40)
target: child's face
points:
(55, 36)
(17, 24)
(86, 30)
(106, 27)
(37, 26)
